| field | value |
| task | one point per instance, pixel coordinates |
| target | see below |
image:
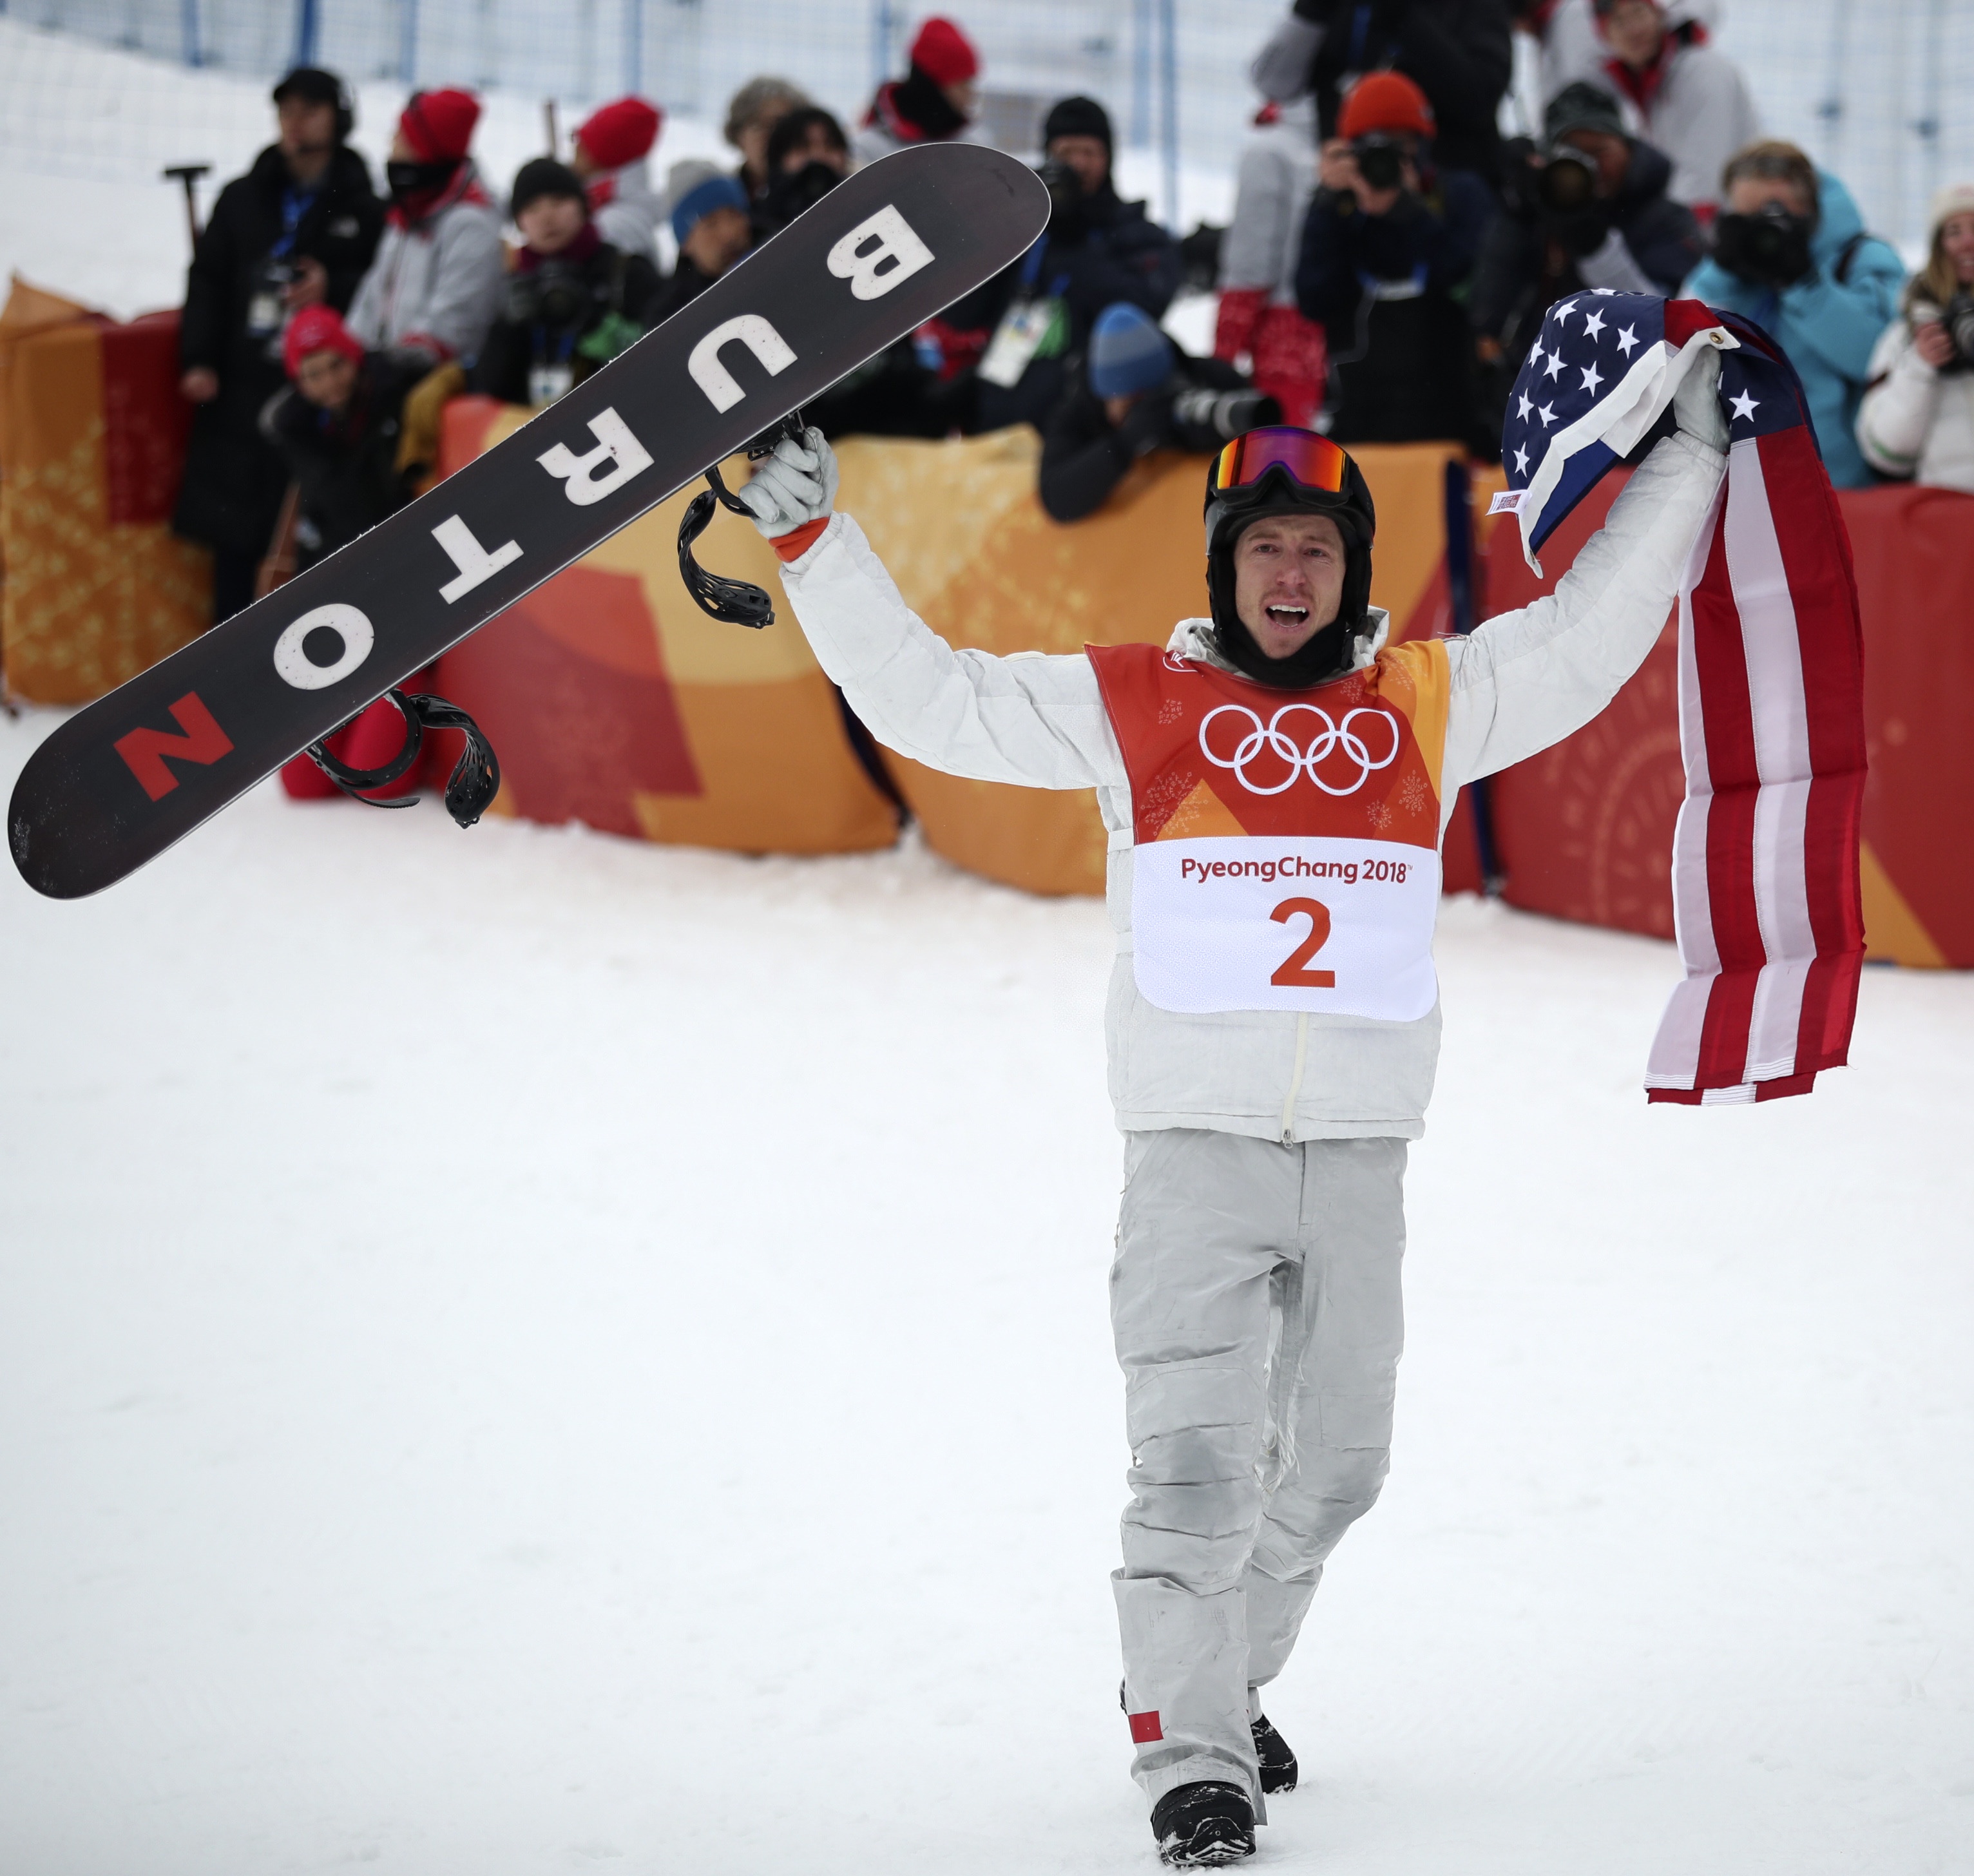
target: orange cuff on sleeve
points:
(792, 546)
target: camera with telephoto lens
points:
(554, 294)
(1957, 317)
(1768, 248)
(1381, 160)
(1567, 181)
(1203, 419)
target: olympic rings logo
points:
(1333, 738)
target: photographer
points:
(1460, 53)
(1387, 242)
(1097, 251)
(337, 429)
(297, 230)
(1589, 210)
(807, 155)
(1135, 392)
(1917, 418)
(1790, 252)
(573, 300)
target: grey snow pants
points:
(1255, 1300)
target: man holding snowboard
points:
(1275, 784)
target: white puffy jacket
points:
(1520, 682)
(435, 285)
(1914, 421)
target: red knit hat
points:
(1386, 100)
(438, 125)
(945, 54)
(617, 133)
(318, 328)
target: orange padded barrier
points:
(91, 444)
(612, 700)
(1585, 829)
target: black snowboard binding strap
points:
(736, 603)
(470, 789)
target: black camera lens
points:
(1567, 182)
(1768, 248)
(1380, 161)
(1959, 320)
(1205, 419)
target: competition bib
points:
(1286, 842)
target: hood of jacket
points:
(1839, 220)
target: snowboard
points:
(883, 252)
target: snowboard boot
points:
(1201, 1826)
(1277, 1763)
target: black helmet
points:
(1285, 470)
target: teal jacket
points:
(1827, 323)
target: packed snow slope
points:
(522, 1352)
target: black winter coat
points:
(614, 281)
(1460, 53)
(679, 288)
(345, 466)
(1110, 251)
(1388, 291)
(1085, 456)
(233, 481)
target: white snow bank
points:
(521, 1351)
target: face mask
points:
(408, 178)
(1768, 248)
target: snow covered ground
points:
(521, 1351)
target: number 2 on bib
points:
(1294, 971)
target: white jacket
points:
(1914, 421)
(1520, 682)
(1274, 182)
(629, 220)
(435, 286)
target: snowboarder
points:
(1275, 784)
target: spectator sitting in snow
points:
(1679, 93)
(1388, 240)
(612, 149)
(1590, 211)
(337, 430)
(297, 230)
(932, 102)
(1917, 417)
(1258, 318)
(574, 301)
(709, 222)
(807, 155)
(1129, 395)
(1460, 53)
(436, 284)
(1790, 252)
(751, 114)
(1098, 249)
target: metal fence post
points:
(1169, 77)
(308, 31)
(188, 45)
(884, 29)
(408, 42)
(1141, 75)
(633, 47)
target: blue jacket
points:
(1826, 326)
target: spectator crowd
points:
(1390, 253)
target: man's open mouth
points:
(1288, 614)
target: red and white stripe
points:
(1765, 891)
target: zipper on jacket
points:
(1295, 1080)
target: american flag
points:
(1766, 897)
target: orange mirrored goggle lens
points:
(1313, 460)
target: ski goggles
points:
(1311, 460)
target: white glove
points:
(1696, 405)
(794, 486)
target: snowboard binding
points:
(470, 789)
(736, 603)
